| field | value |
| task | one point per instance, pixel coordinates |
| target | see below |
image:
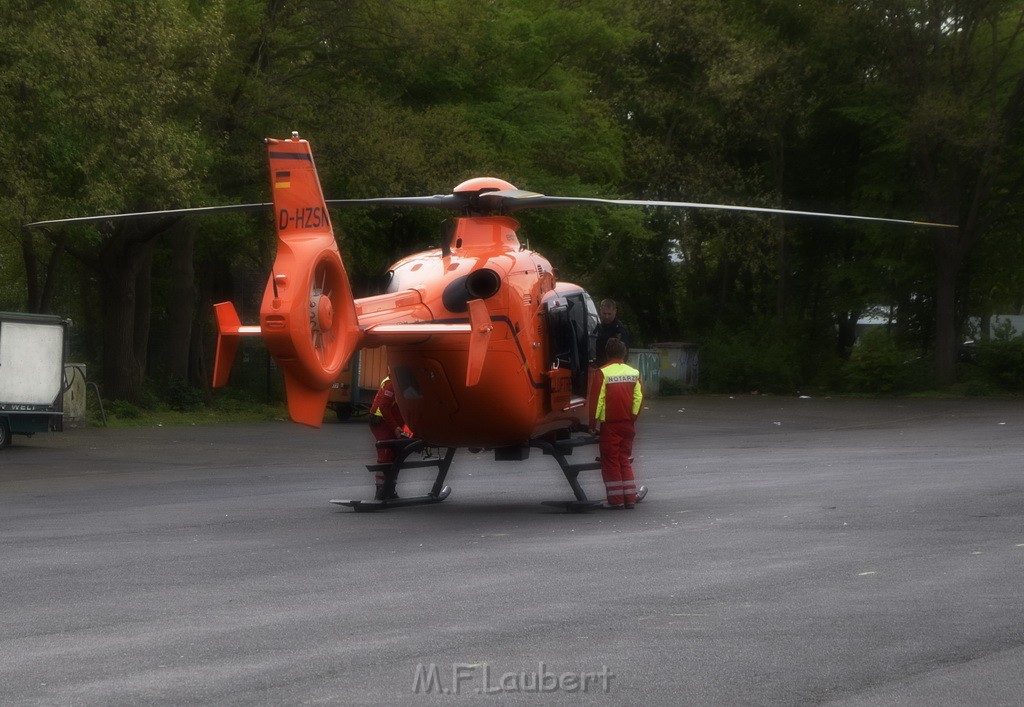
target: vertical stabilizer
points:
(308, 317)
(229, 334)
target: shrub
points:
(670, 386)
(181, 396)
(122, 409)
(762, 358)
(1001, 360)
(879, 365)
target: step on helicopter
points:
(487, 348)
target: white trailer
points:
(32, 355)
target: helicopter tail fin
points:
(308, 317)
(306, 404)
(229, 334)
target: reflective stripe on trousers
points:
(616, 449)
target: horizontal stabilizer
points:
(229, 332)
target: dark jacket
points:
(615, 329)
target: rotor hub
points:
(482, 184)
(323, 312)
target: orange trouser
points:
(616, 449)
(382, 433)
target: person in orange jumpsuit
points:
(619, 400)
(386, 423)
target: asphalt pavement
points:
(790, 551)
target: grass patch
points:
(223, 411)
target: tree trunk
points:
(181, 302)
(143, 306)
(28, 258)
(947, 267)
(41, 285)
(125, 297)
(122, 374)
(781, 264)
(846, 333)
(53, 265)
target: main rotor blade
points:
(438, 201)
(514, 200)
(505, 201)
(151, 214)
(441, 201)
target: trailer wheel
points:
(5, 434)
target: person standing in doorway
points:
(609, 328)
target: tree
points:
(944, 112)
(104, 121)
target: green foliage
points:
(762, 358)
(122, 409)
(107, 115)
(670, 386)
(1001, 360)
(977, 386)
(878, 365)
(179, 395)
(12, 285)
(224, 410)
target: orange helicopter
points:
(487, 349)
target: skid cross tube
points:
(403, 448)
(560, 449)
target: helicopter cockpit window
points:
(560, 335)
(593, 323)
(570, 334)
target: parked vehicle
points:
(33, 350)
(353, 391)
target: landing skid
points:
(585, 506)
(559, 449)
(403, 448)
(370, 506)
